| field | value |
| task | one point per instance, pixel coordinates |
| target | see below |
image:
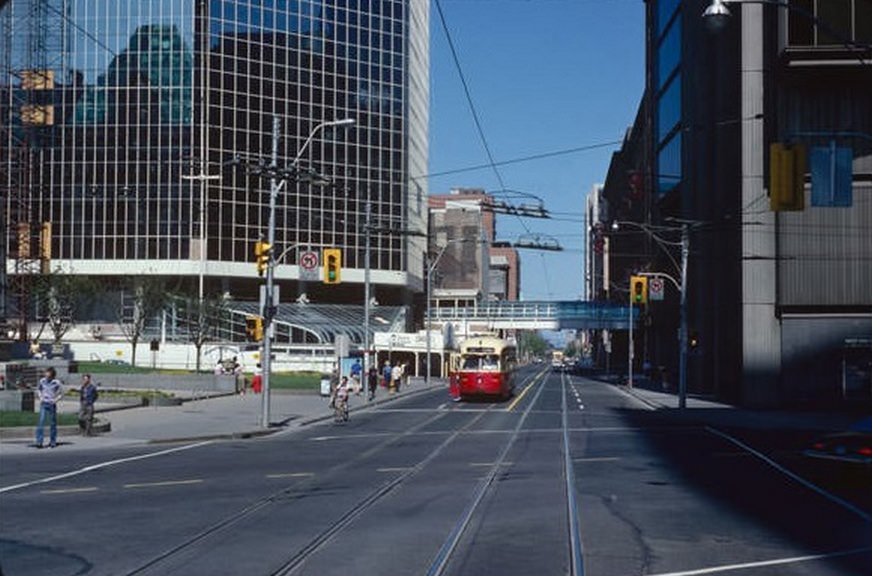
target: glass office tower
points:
(135, 133)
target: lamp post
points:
(276, 186)
(684, 244)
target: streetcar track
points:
(576, 556)
(326, 535)
(443, 556)
(273, 497)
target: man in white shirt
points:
(49, 390)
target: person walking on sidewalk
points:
(87, 397)
(49, 391)
(372, 381)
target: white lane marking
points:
(69, 490)
(395, 469)
(101, 465)
(488, 464)
(442, 406)
(775, 562)
(795, 477)
(164, 483)
(599, 459)
(291, 475)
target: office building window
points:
(829, 22)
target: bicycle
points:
(340, 410)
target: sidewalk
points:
(233, 416)
(709, 412)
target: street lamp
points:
(275, 187)
(682, 288)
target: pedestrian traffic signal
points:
(262, 255)
(639, 290)
(332, 266)
(253, 328)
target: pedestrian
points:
(257, 379)
(356, 372)
(372, 381)
(87, 397)
(396, 376)
(49, 390)
(386, 374)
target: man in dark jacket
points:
(87, 397)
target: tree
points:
(202, 319)
(61, 299)
(148, 297)
(532, 344)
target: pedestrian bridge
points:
(543, 315)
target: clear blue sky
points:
(545, 75)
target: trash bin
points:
(325, 385)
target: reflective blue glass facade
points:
(668, 95)
(145, 94)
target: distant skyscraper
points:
(132, 96)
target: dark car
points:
(853, 446)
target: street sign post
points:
(656, 289)
(310, 266)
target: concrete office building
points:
(779, 301)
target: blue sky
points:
(545, 75)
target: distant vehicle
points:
(486, 368)
(557, 363)
(116, 362)
(851, 447)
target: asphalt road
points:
(571, 477)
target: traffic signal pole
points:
(682, 359)
(266, 359)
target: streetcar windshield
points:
(488, 362)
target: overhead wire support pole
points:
(268, 309)
(682, 360)
(366, 288)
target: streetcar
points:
(486, 368)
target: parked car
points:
(853, 446)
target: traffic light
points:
(262, 255)
(332, 265)
(787, 167)
(253, 328)
(639, 290)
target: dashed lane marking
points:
(599, 459)
(70, 490)
(394, 469)
(762, 563)
(291, 475)
(488, 464)
(101, 465)
(164, 483)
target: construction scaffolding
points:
(31, 65)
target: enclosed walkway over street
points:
(541, 315)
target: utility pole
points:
(682, 360)
(630, 346)
(366, 291)
(268, 307)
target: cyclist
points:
(340, 401)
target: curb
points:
(20, 432)
(632, 392)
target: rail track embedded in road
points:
(154, 564)
(443, 557)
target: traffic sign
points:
(656, 289)
(310, 266)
